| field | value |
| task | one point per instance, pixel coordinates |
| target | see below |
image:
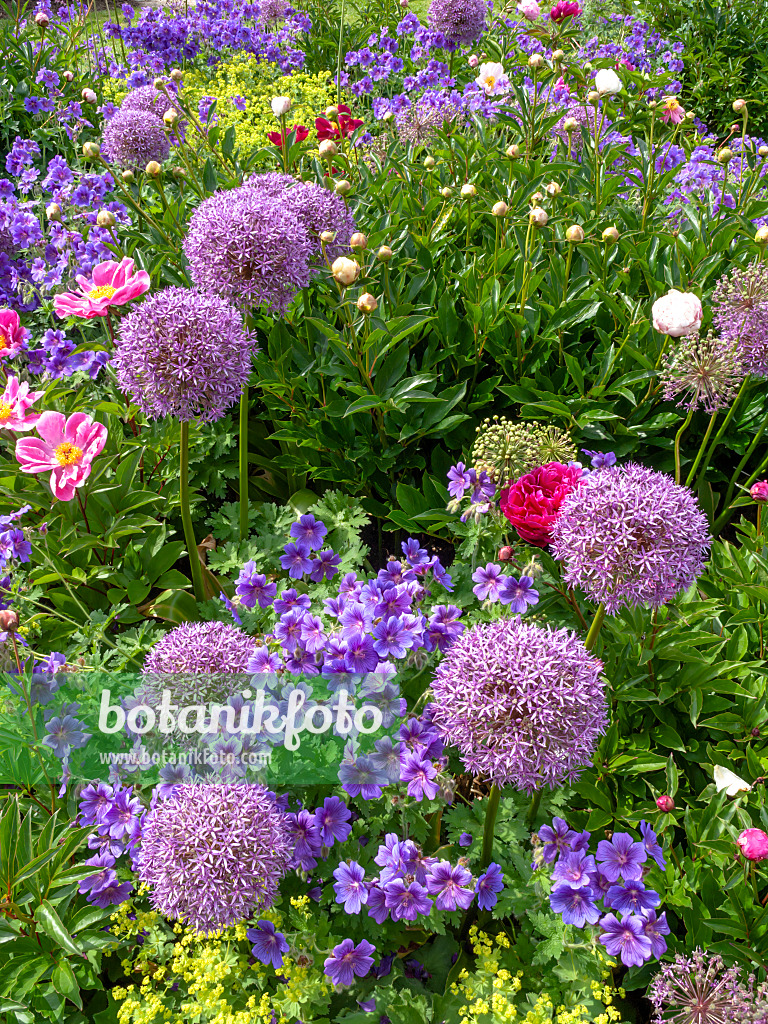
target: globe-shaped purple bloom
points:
(183, 353)
(460, 21)
(134, 137)
(214, 854)
(250, 247)
(740, 312)
(150, 100)
(628, 535)
(201, 648)
(523, 704)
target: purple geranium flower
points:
(576, 906)
(350, 887)
(654, 928)
(309, 532)
(573, 869)
(651, 844)
(419, 773)
(268, 944)
(621, 856)
(488, 584)
(556, 838)
(333, 821)
(361, 777)
(626, 938)
(518, 594)
(488, 885)
(252, 587)
(349, 960)
(405, 901)
(451, 885)
(325, 566)
(631, 898)
(295, 560)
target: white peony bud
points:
(677, 313)
(280, 105)
(345, 271)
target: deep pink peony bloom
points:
(532, 503)
(68, 447)
(753, 843)
(759, 491)
(14, 403)
(564, 9)
(12, 334)
(113, 284)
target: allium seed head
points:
(703, 371)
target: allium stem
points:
(533, 810)
(186, 516)
(678, 436)
(490, 826)
(702, 446)
(595, 628)
(728, 417)
(244, 463)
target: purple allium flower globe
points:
(740, 312)
(134, 137)
(214, 854)
(184, 353)
(250, 247)
(461, 21)
(628, 535)
(524, 704)
(703, 371)
(156, 102)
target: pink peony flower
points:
(533, 502)
(677, 313)
(68, 447)
(759, 491)
(753, 843)
(564, 9)
(529, 9)
(12, 335)
(673, 110)
(113, 284)
(14, 402)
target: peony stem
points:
(186, 516)
(594, 629)
(490, 826)
(244, 463)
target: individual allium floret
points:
(700, 990)
(628, 535)
(183, 353)
(214, 854)
(506, 450)
(703, 371)
(250, 247)
(740, 312)
(419, 124)
(134, 137)
(524, 705)
(460, 21)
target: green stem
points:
(533, 810)
(678, 436)
(186, 516)
(490, 826)
(594, 629)
(702, 446)
(728, 417)
(244, 463)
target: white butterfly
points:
(732, 784)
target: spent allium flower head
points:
(249, 246)
(524, 705)
(740, 312)
(420, 123)
(134, 137)
(460, 21)
(214, 854)
(700, 990)
(703, 372)
(506, 449)
(183, 353)
(631, 536)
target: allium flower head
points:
(183, 353)
(460, 21)
(250, 247)
(201, 648)
(420, 123)
(319, 210)
(153, 101)
(700, 990)
(703, 371)
(629, 535)
(134, 137)
(740, 312)
(214, 854)
(524, 705)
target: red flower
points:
(327, 129)
(301, 133)
(533, 502)
(564, 9)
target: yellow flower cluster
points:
(482, 998)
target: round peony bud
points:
(763, 151)
(500, 209)
(513, 151)
(761, 235)
(170, 117)
(328, 148)
(105, 219)
(42, 20)
(367, 303)
(574, 233)
(68, 76)
(159, 84)
(384, 255)
(570, 124)
(739, 106)
(326, 237)
(607, 82)
(429, 162)
(342, 188)
(91, 150)
(468, 191)
(53, 212)
(332, 113)
(759, 491)
(280, 105)
(593, 97)
(538, 217)
(677, 313)
(176, 76)
(128, 177)
(665, 803)
(179, 173)
(753, 844)
(358, 241)
(9, 620)
(610, 236)
(153, 169)
(88, 96)
(536, 61)
(505, 553)
(558, 55)
(553, 189)
(345, 271)
(446, 193)
(724, 155)
(473, 61)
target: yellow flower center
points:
(104, 291)
(672, 103)
(3, 342)
(5, 411)
(67, 454)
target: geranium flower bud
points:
(105, 219)
(739, 106)
(446, 193)
(88, 96)
(553, 189)
(332, 113)
(342, 188)
(9, 620)
(500, 209)
(575, 233)
(538, 217)
(610, 235)
(176, 75)
(328, 148)
(761, 235)
(91, 150)
(724, 155)
(384, 255)
(358, 241)
(280, 105)
(536, 61)
(53, 212)
(513, 151)
(429, 162)
(345, 271)
(128, 177)
(759, 491)
(505, 553)
(42, 20)
(367, 303)
(753, 844)
(153, 169)
(665, 803)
